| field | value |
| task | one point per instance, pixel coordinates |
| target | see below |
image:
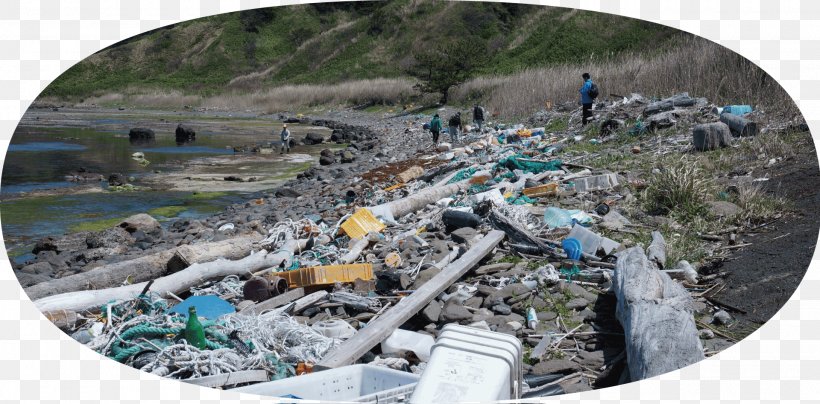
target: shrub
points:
(679, 187)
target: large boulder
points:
(313, 138)
(723, 208)
(141, 222)
(117, 179)
(711, 136)
(184, 134)
(141, 133)
(326, 160)
(348, 157)
(110, 238)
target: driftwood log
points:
(145, 268)
(177, 282)
(739, 125)
(378, 330)
(419, 200)
(656, 314)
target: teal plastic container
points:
(737, 109)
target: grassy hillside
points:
(337, 42)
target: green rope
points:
(283, 369)
(571, 272)
(121, 353)
(517, 162)
(462, 175)
(521, 200)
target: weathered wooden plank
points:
(274, 302)
(378, 330)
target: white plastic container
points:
(402, 341)
(471, 365)
(358, 383)
(492, 340)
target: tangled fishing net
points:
(141, 333)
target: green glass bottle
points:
(194, 333)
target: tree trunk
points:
(143, 268)
(419, 200)
(178, 282)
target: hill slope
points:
(334, 42)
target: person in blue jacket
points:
(586, 99)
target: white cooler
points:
(471, 365)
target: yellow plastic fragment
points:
(361, 223)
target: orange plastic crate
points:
(541, 190)
(327, 274)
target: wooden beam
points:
(145, 268)
(378, 330)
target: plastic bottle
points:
(194, 333)
(532, 318)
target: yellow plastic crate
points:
(327, 275)
(361, 223)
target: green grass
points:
(167, 211)
(558, 124)
(349, 41)
(512, 259)
(291, 172)
(204, 195)
(95, 225)
(26, 211)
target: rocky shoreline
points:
(59, 256)
(439, 202)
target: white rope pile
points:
(287, 230)
(281, 335)
(229, 288)
(191, 362)
(520, 215)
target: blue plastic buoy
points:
(573, 248)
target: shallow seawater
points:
(37, 200)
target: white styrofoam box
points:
(346, 383)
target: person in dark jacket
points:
(478, 116)
(454, 126)
(435, 128)
(586, 99)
